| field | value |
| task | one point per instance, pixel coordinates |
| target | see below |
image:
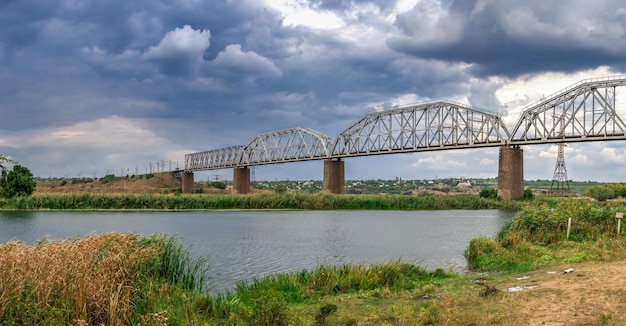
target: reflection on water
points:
(244, 245)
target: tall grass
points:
(252, 201)
(538, 236)
(125, 279)
(264, 301)
(94, 280)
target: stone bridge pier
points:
(511, 173)
(334, 176)
(187, 182)
(241, 180)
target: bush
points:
(108, 178)
(602, 193)
(18, 182)
(280, 189)
(488, 193)
(218, 184)
(528, 194)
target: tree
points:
(4, 159)
(17, 182)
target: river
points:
(242, 245)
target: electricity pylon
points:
(560, 183)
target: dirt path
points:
(593, 294)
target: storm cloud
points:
(95, 86)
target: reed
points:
(289, 200)
(94, 280)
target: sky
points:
(89, 88)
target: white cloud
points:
(487, 162)
(613, 155)
(186, 40)
(180, 51)
(439, 162)
(103, 144)
(527, 89)
(297, 13)
(233, 57)
(580, 159)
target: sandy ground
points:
(593, 294)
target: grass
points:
(121, 279)
(95, 280)
(537, 236)
(253, 201)
(125, 279)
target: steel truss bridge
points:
(585, 111)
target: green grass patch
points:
(537, 236)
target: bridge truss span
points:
(288, 145)
(423, 127)
(220, 158)
(585, 111)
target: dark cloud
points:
(177, 76)
(511, 38)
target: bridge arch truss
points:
(423, 127)
(584, 111)
(288, 145)
(220, 158)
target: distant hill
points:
(145, 183)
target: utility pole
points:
(560, 183)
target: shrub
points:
(602, 193)
(218, 184)
(488, 193)
(108, 178)
(528, 194)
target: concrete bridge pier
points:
(187, 182)
(511, 173)
(241, 180)
(334, 177)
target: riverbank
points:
(127, 279)
(290, 200)
(119, 279)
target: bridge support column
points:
(334, 177)
(511, 173)
(241, 180)
(187, 182)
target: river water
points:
(242, 245)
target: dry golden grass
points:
(160, 183)
(71, 281)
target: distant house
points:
(464, 184)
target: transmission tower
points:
(560, 182)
